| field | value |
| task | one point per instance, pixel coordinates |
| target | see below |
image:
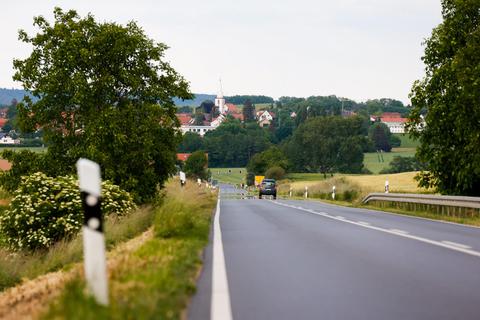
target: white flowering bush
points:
(45, 209)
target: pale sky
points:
(360, 49)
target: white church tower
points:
(220, 101)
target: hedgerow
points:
(45, 210)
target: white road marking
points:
(364, 223)
(457, 244)
(399, 231)
(443, 244)
(340, 217)
(220, 308)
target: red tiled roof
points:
(402, 120)
(3, 121)
(391, 115)
(184, 118)
(5, 165)
(238, 116)
(232, 108)
(183, 156)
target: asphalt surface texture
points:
(294, 259)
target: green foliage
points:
(45, 210)
(254, 99)
(23, 162)
(191, 142)
(272, 157)
(105, 93)
(196, 165)
(276, 173)
(248, 111)
(232, 144)
(450, 95)
(250, 180)
(380, 135)
(403, 164)
(327, 144)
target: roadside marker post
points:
(290, 192)
(95, 263)
(306, 192)
(387, 186)
(183, 178)
(199, 181)
(333, 192)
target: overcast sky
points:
(360, 49)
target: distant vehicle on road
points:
(268, 187)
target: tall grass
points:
(344, 189)
(155, 281)
(15, 266)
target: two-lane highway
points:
(309, 260)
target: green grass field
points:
(407, 142)
(34, 149)
(229, 175)
(375, 162)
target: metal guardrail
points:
(448, 201)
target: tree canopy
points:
(103, 91)
(327, 144)
(450, 95)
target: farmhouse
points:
(265, 118)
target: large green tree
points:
(450, 95)
(103, 91)
(327, 144)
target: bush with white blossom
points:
(45, 210)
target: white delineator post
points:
(95, 263)
(387, 186)
(290, 192)
(183, 178)
(306, 192)
(333, 192)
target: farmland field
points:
(33, 149)
(229, 175)
(375, 161)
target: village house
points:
(265, 118)
(393, 120)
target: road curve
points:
(309, 260)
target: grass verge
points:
(156, 280)
(18, 266)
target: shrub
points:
(45, 210)
(276, 173)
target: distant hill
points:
(197, 101)
(7, 95)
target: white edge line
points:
(365, 210)
(409, 236)
(220, 308)
(457, 244)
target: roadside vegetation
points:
(156, 280)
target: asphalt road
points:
(308, 260)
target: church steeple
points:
(220, 100)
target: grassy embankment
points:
(157, 279)
(16, 267)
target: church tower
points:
(220, 101)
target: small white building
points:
(395, 125)
(8, 140)
(201, 130)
